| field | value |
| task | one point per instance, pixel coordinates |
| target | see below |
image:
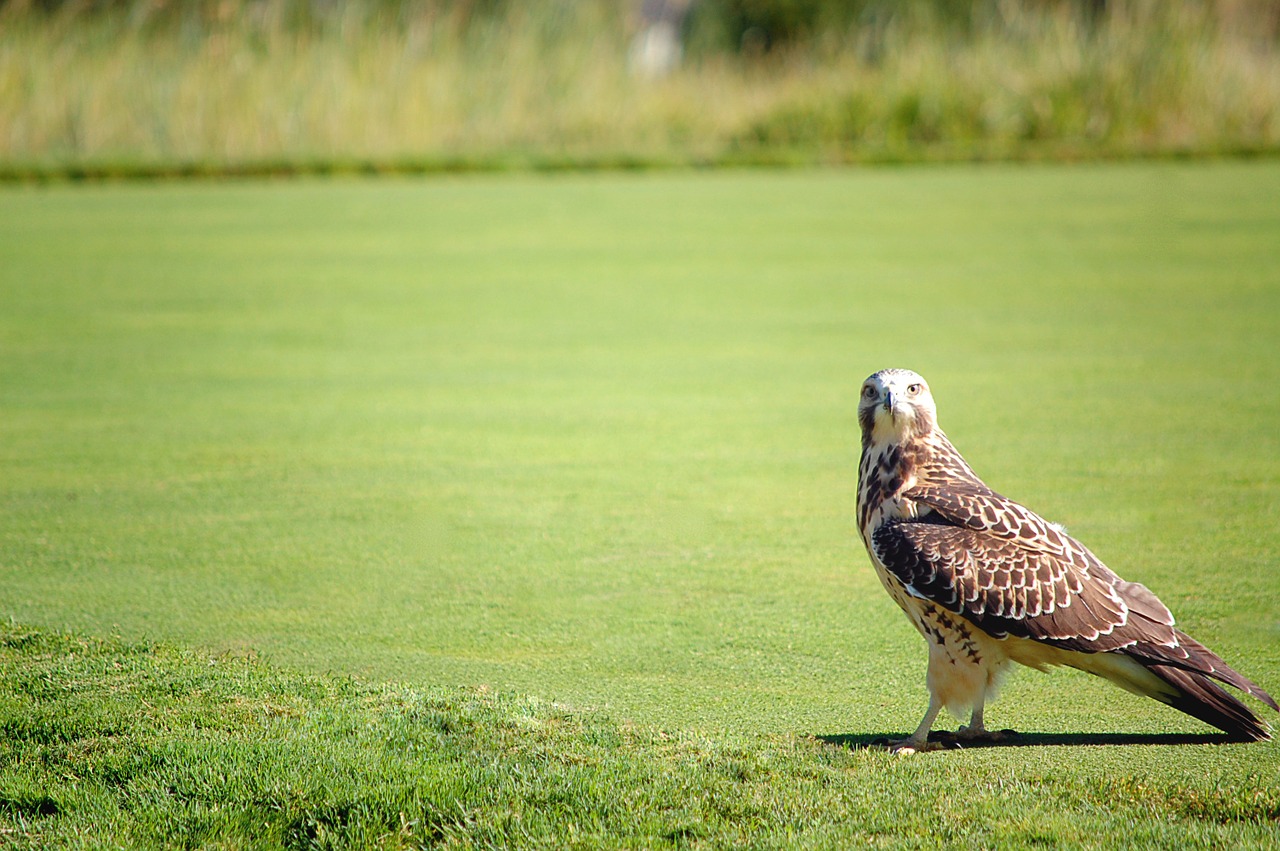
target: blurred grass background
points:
(145, 86)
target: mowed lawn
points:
(591, 438)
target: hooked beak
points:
(888, 400)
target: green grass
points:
(111, 744)
(592, 439)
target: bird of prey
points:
(987, 581)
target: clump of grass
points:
(1145, 80)
(253, 86)
(111, 744)
(549, 83)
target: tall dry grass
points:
(247, 83)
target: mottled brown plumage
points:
(987, 581)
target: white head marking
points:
(895, 404)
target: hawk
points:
(987, 581)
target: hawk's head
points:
(895, 405)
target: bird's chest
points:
(950, 637)
(948, 634)
(885, 477)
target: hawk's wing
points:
(1004, 586)
(1010, 572)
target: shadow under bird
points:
(987, 582)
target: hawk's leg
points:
(974, 731)
(919, 740)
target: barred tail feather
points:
(1200, 697)
(1205, 661)
(1188, 690)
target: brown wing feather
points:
(1074, 603)
(973, 505)
(1005, 588)
(1034, 552)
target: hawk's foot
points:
(910, 745)
(982, 736)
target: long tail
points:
(1190, 669)
(1199, 696)
(1182, 674)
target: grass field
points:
(592, 440)
(110, 744)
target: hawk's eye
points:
(868, 392)
(914, 389)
